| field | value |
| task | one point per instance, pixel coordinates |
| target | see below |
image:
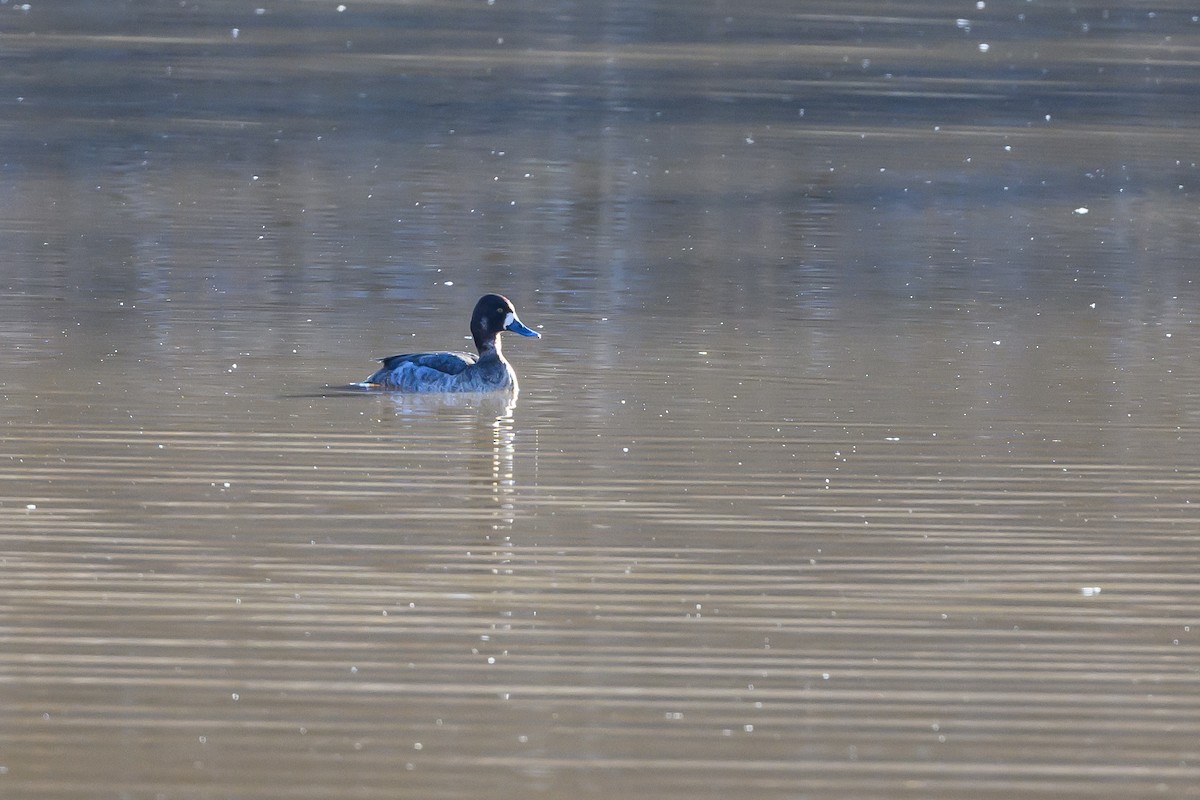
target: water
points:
(858, 459)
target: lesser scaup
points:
(459, 372)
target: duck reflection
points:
(487, 449)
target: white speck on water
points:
(1090, 591)
(447, 283)
(236, 697)
(340, 9)
(235, 33)
(31, 506)
(984, 47)
(1081, 210)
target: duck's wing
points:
(448, 363)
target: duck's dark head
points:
(493, 315)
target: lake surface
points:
(860, 456)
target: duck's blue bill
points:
(517, 327)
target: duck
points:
(459, 372)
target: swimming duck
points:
(459, 372)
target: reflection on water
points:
(489, 440)
(862, 461)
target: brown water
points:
(860, 456)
